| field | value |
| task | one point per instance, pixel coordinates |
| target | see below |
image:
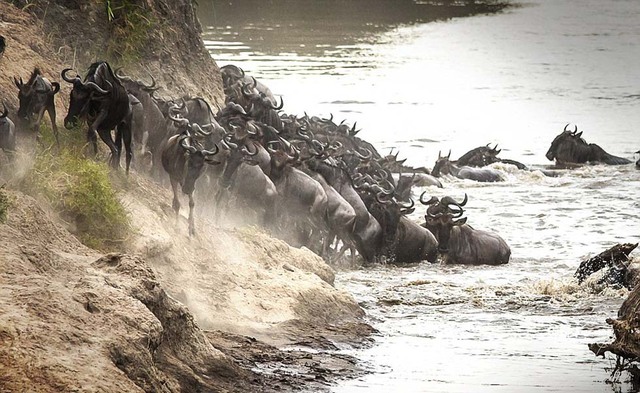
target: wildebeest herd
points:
(306, 179)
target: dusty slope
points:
(72, 318)
(239, 280)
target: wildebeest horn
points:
(449, 201)
(327, 120)
(199, 130)
(449, 155)
(270, 149)
(6, 111)
(56, 88)
(565, 127)
(464, 201)
(278, 107)
(410, 206)
(179, 120)
(119, 75)
(184, 142)
(367, 155)
(209, 153)
(245, 150)
(153, 84)
(380, 197)
(431, 201)
(439, 154)
(99, 89)
(227, 140)
(67, 79)
(251, 128)
(244, 90)
(575, 128)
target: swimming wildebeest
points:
(444, 166)
(104, 103)
(459, 242)
(36, 97)
(570, 148)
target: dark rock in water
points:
(627, 337)
(612, 259)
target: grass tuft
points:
(82, 192)
(130, 24)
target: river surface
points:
(422, 79)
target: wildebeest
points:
(36, 97)
(104, 103)
(638, 162)
(570, 148)
(7, 133)
(459, 242)
(243, 180)
(444, 166)
(485, 155)
(301, 200)
(183, 158)
(152, 131)
(367, 233)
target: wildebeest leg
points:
(176, 201)
(105, 135)
(192, 225)
(36, 123)
(93, 139)
(91, 134)
(124, 133)
(345, 246)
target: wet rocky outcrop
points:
(615, 264)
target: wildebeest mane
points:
(100, 72)
(34, 75)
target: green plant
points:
(130, 23)
(81, 190)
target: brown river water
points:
(421, 79)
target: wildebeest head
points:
(567, 147)
(82, 96)
(442, 216)
(230, 74)
(239, 151)
(564, 145)
(33, 95)
(196, 159)
(443, 165)
(480, 156)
